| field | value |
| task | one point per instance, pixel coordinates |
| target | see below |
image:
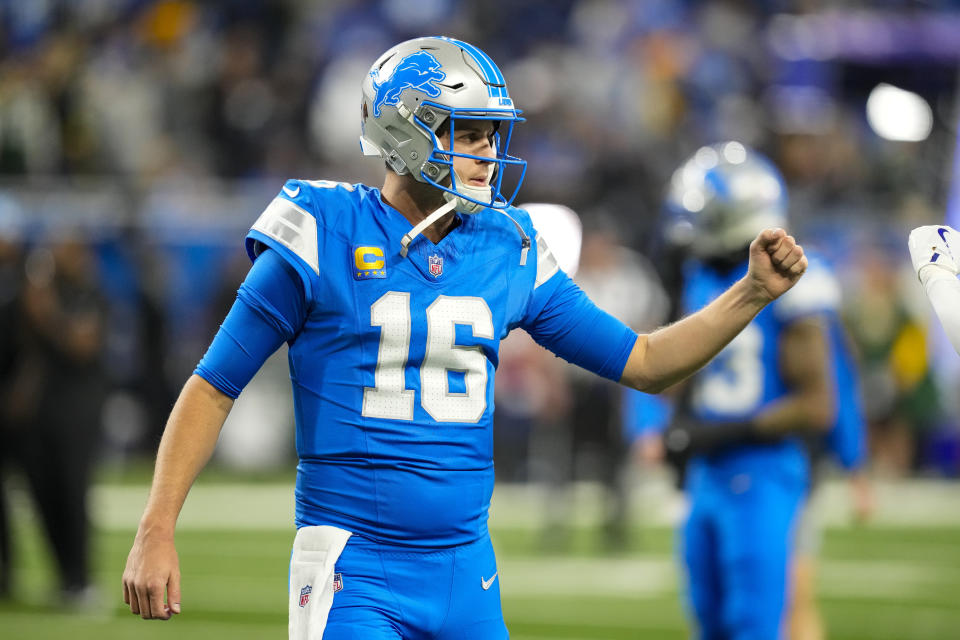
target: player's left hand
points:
(776, 263)
(930, 247)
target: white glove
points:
(930, 247)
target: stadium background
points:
(150, 134)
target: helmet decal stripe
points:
(490, 70)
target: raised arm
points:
(187, 444)
(667, 356)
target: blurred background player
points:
(569, 422)
(533, 386)
(740, 425)
(623, 282)
(11, 338)
(55, 393)
(594, 446)
(884, 313)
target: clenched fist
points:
(776, 263)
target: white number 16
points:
(390, 398)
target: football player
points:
(393, 302)
(936, 266)
(740, 428)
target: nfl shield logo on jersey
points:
(337, 582)
(305, 595)
(436, 265)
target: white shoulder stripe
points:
(546, 262)
(292, 227)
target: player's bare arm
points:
(810, 404)
(668, 355)
(153, 568)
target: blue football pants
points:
(736, 547)
(389, 593)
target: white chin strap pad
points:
(483, 194)
(466, 206)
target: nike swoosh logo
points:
(293, 193)
(486, 584)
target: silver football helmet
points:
(721, 198)
(421, 85)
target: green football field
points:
(892, 580)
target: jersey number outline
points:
(390, 399)
(733, 383)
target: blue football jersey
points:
(393, 368)
(745, 376)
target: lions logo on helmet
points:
(721, 198)
(417, 71)
(419, 90)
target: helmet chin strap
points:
(423, 224)
(453, 202)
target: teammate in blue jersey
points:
(393, 302)
(740, 430)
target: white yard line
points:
(215, 506)
(922, 503)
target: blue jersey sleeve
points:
(270, 309)
(564, 320)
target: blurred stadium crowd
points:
(139, 139)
